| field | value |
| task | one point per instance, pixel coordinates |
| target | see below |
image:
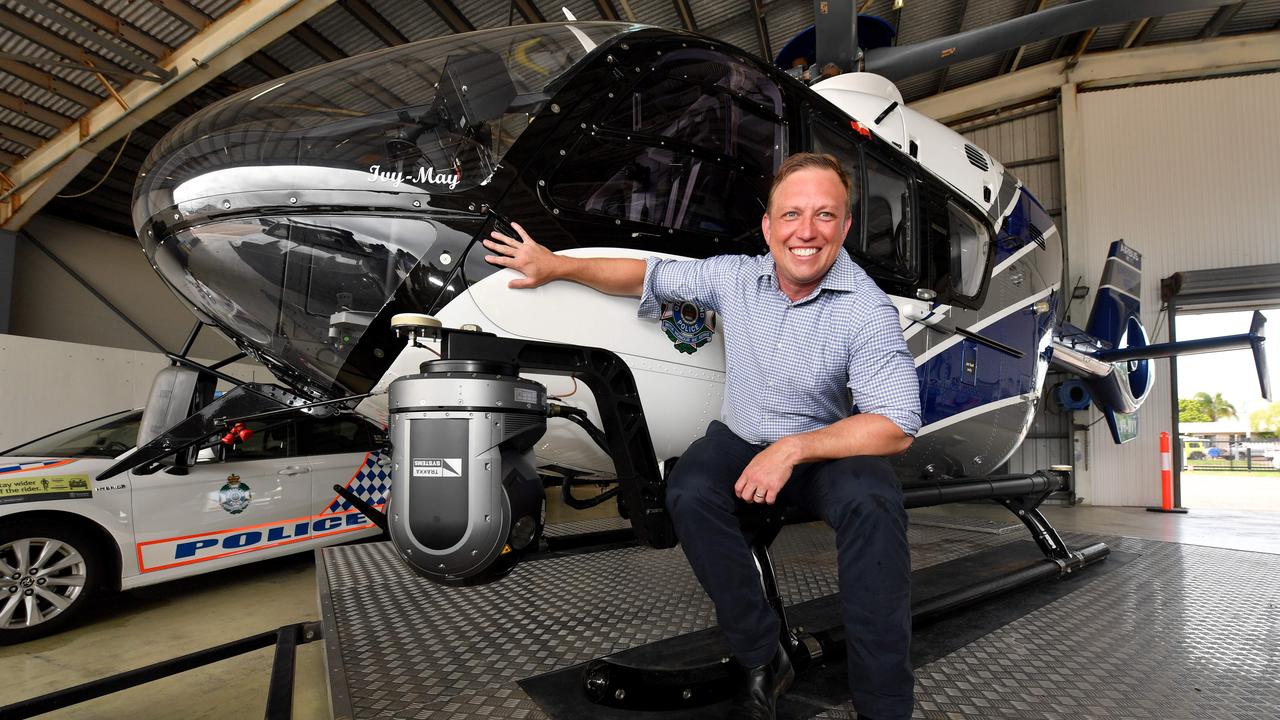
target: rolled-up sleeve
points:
(667, 281)
(882, 372)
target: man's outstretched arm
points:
(615, 276)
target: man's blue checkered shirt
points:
(793, 367)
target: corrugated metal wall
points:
(1028, 142)
(1187, 174)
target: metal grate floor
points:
(1181, 632)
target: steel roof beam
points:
(529, 11)
(451, 16)
(686, 15)
(34, 111)
(1141, 38)
(1013, 58)
(607, 10)
(1082, 46)
(46, 62)
(20, 136)
(115, 26)
(17, 24)
(267, 65)
(51, 83)
(1131, 34)
(1256, 52)
(762, 29)
(1220, 20)
(89, 34)
(317, 43)
(244, 30)
(374, 21)
(186, 13)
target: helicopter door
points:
(882, 240)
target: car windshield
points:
(107, 436)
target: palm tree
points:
(1215, 406)
(1222, 408)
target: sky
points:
(1230, 373)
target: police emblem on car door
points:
(252, 496)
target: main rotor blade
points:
(900, 62)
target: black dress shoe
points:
(757, 696)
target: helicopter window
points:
(880, 239)
(303, 289)
(887, 243)
(969, 244)
(713, 104)
(658, 186)
(828, 140)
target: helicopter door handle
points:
(921, 312)
(293, 470)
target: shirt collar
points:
(841, 277)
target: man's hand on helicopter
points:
(538, 264)
(615, 276)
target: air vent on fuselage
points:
(976, 158)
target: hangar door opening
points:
(1227, 449)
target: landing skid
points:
(705, 676)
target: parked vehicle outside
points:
(1194, 449)
(64, 536)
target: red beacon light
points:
(238, 432)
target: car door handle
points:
(293, 470)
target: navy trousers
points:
(861, 499)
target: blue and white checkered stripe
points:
(371, 483)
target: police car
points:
(65, 536)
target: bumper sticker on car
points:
(30, 488)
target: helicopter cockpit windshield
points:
(294, 212)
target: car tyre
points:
(49, 573)
(1196, 455)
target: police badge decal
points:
(688, 326)
(235, 495)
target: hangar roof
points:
(68, 66)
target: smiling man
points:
(819, 390)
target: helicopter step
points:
(693, 671)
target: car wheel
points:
(1197, 455)
(48, 574)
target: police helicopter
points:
(330, 224)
